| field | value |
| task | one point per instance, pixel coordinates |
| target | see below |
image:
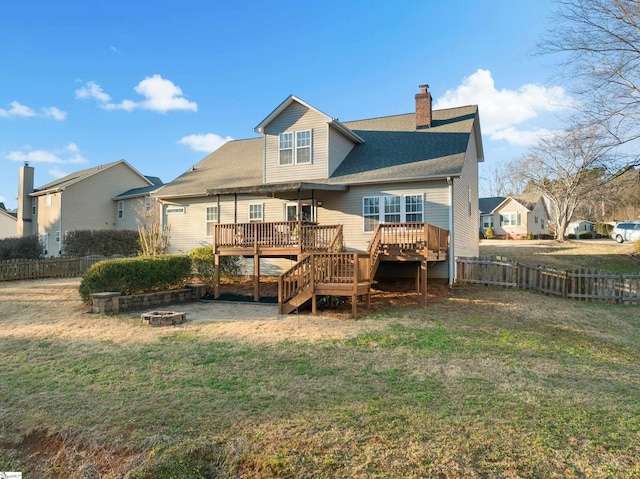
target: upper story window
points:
(120, 210)
(148, 204)
(34, 206)
(413, 208)
(294, 148)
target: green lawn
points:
(489, 383)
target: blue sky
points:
(161, 84)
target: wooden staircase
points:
(351, 274)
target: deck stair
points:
(351, 274)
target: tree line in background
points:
(590, 169)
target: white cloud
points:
(206, 142)
(54, 113)
(57, 172)
(502, 110)
(16, 109)
(114, 49)
(68, 156)
(160, 95)
(93, 90)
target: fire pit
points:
(163, 318)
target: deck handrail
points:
(302, 235)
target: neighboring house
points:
(90, 199)
(420, 167)
(8, 223)
(576, 226)
(514, 217)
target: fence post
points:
(565, 284)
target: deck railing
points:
(303, 235)
(412, 236)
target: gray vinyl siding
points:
(466, 223)
(188, 230)
(294, 118)
(346, 209)
(339, 148)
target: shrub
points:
(101, 242)
(530, 235)
(603, 229)
(27, 247)
(490, 234)
(585, 235)
(203, 264)
(136, 275)
(571, 236)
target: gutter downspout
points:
(452, 258)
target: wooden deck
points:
(322, 269)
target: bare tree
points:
(599, 43)
(567, 167)
(154, 236)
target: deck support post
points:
(216, 272)
(354, 296)
(314, 296)
(256, 277)
(418, 274)
(423, 282)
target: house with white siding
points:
(401, 190)
(514, 217)
(103, 197)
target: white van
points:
(626, 231)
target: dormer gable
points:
(303, 143)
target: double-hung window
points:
(391, 209)
(286, 148)
(120, 210)
(371, 213)
(211, 219)
(294, 148)
(487, 221)
(256, 212)
(413, 208)
(510, 219)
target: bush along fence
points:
(16, 269)
(581, 284)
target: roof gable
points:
(260, 128)
(488, 205)
(78, 176)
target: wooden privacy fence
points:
(16, 269)
(585, 284)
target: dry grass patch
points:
(486, 383)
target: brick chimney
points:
(423, 108)
(25, 186)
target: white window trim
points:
(261, 220)
(175, 210)
(34, 206)
(57, 237)
(403, 209)
(294, 148)
(207, 221)
(47, 199)
(511, 215)
(120, 210)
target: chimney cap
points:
(424, 87)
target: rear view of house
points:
(353, 184)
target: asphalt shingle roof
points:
(392, 149)
(487, 205)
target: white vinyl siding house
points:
(357, 174)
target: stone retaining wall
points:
(114, 302)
